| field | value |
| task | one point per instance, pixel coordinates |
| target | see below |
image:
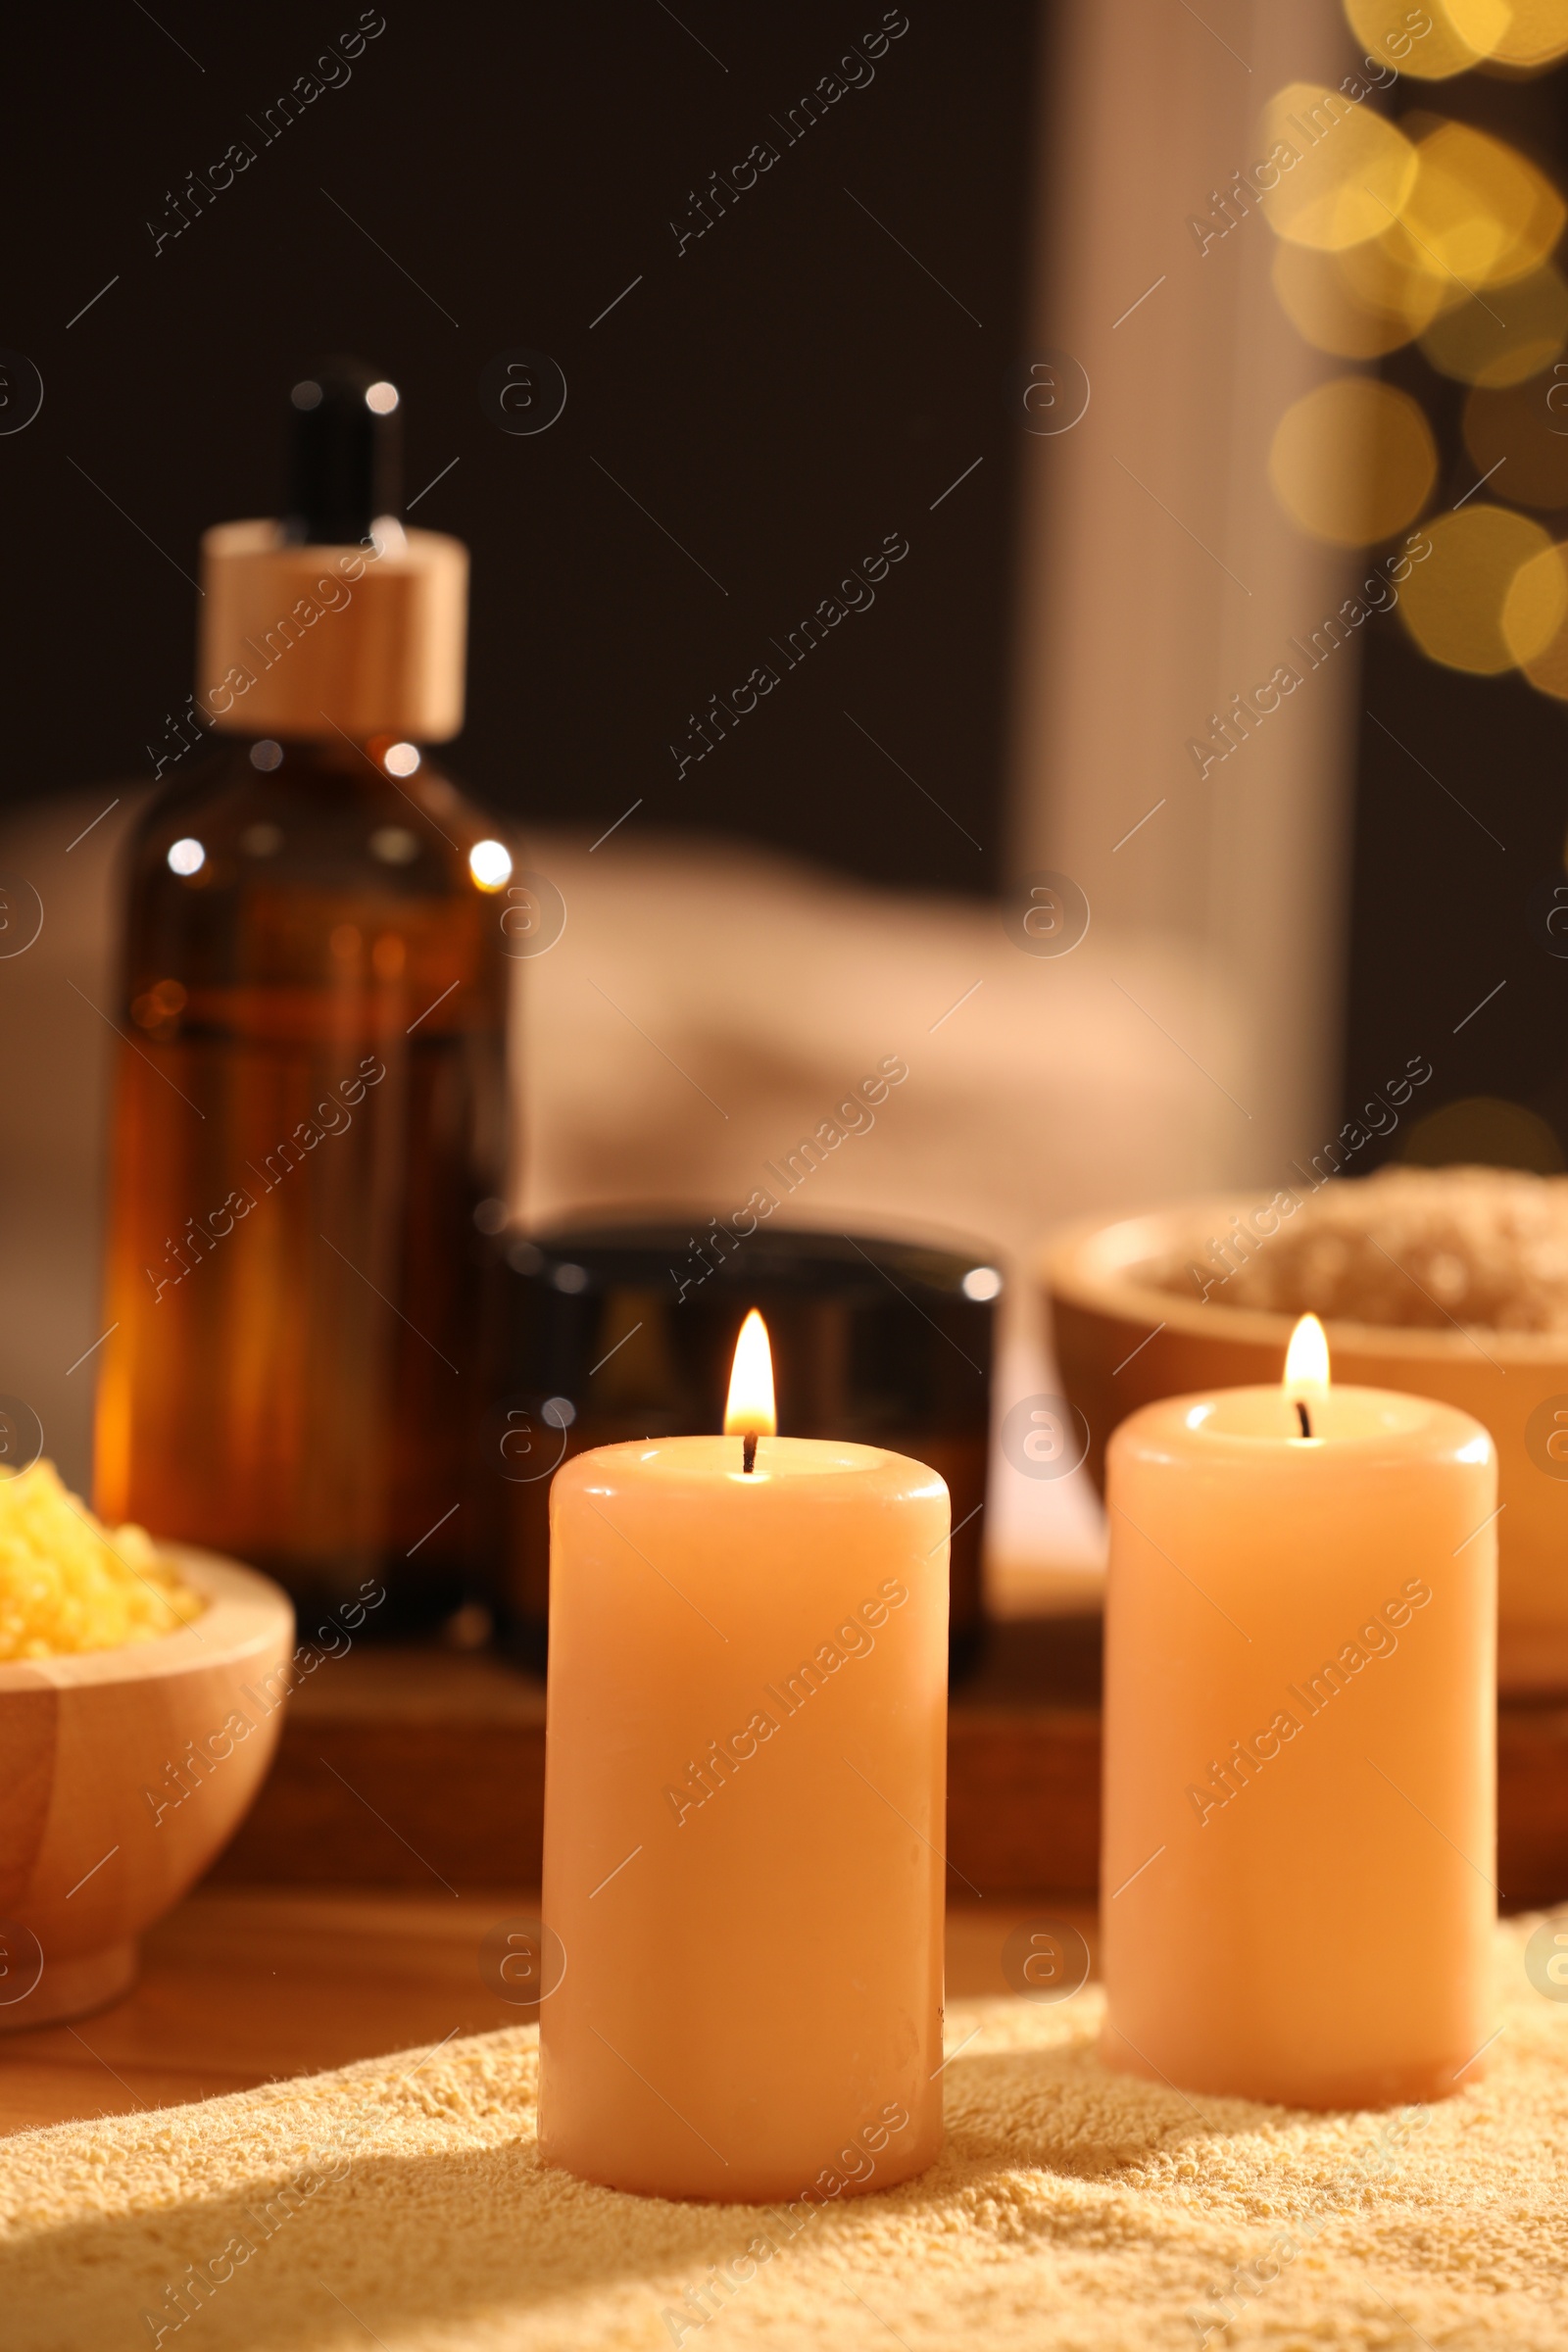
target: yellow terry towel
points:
(403, 2202)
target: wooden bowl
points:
(1121, 1341)
(124, 1772)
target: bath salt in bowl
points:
(1417, 1248)
(1448, 1283)
(67, 1584)
(141, 1696)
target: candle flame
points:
(1306, 1359)
(750, 1411)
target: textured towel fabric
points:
(403, 2201)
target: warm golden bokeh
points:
(1483, 1131)
(1353, 461)
(1540, 588)
(1454, 600)
(1383, 26)
(1548, 671)
(1393, 269)
(1478, 211)
(1352, 173)
(1523, 34)
(1461, 261)
(1536, 607)
(1357, 304)
(1503, 337)
(1516, 431)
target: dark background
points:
(780, 396)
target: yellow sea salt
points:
(67, 1582)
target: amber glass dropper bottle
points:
(310, 1112)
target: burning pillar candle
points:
(1297, 1879)
(744, 1811)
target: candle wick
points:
(748, 1452)
(1304, 1418)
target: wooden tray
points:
(415, 1767)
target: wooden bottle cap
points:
(299, 639)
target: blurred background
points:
(1205, 364)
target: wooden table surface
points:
(246, 1986)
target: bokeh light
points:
(1523, 33)
(1503, 337)
(1548, 671)
(1453, 599)
(1478, 211)
(1536, 607)
(1353, 461)
(1460, 262)
(1352, 175)
(1515, 428)
(1538, 588)
(490, 864)
(1383, 30)
(1483, 1131)
(1357, 304)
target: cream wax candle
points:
(1298, 1871)
(744, 1812)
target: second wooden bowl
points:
(1122, 1339)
